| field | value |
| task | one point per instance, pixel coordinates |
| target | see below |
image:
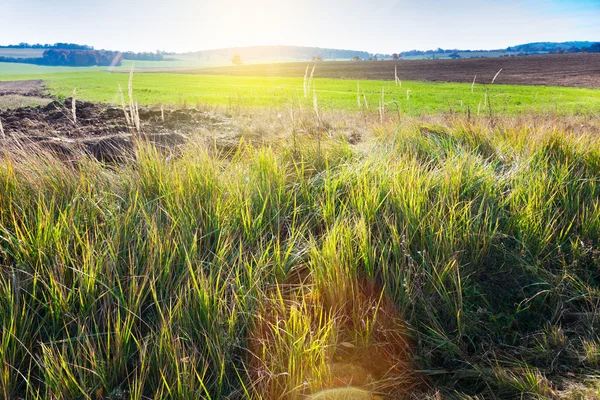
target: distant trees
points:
(594, 48)
(317, 58)
(236, 60)
(64, 46)
(72, 58)
(145, 56)
(77, 58)
(454, 56)
(395, 56)
(356, 58)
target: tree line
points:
(64, 46)
(71, 58)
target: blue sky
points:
(383, 26)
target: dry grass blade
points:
(306, 82)
(137, 118)
(408, 94)
(495, 76)
(382, 106)
(130, 90)
(473, 84)
(2, 134)
(398, 82)
(316, 107)
(74, 105)
(124, 106)
(312, 74)
(162, 113)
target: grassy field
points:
(410, 98)
(436, 258)
(17, 70)
(446, 246)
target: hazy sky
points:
(383, 26)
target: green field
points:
(411, 98)
(17, 70)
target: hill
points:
(297, 53)
(548, 46)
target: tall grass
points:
(172, 276)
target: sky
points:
(377, 26)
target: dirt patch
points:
(23, 88)
(103, 130)
(574, 70)
(18, 94)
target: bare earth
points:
(102, 130)
(19, 94)
(575, 70)
(22, 88)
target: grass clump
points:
(465, 256)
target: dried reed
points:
(74, 105)
(382, 106)
(312, 74)
(306, 82)
(316, 108)
(495, 76)
(124, 107)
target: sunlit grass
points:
(469, 249)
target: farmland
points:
(580, 70)
(230, 234)
(411, 97)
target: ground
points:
(573, 70)
(201, 245)
(23, 94)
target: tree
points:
(356, 58)
(395, 56)
(595, 48)
(317, 58)
(454, 55)
(237, 60)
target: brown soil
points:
(101, 130)
(22, 88)
(576, 70)
(19, 94)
